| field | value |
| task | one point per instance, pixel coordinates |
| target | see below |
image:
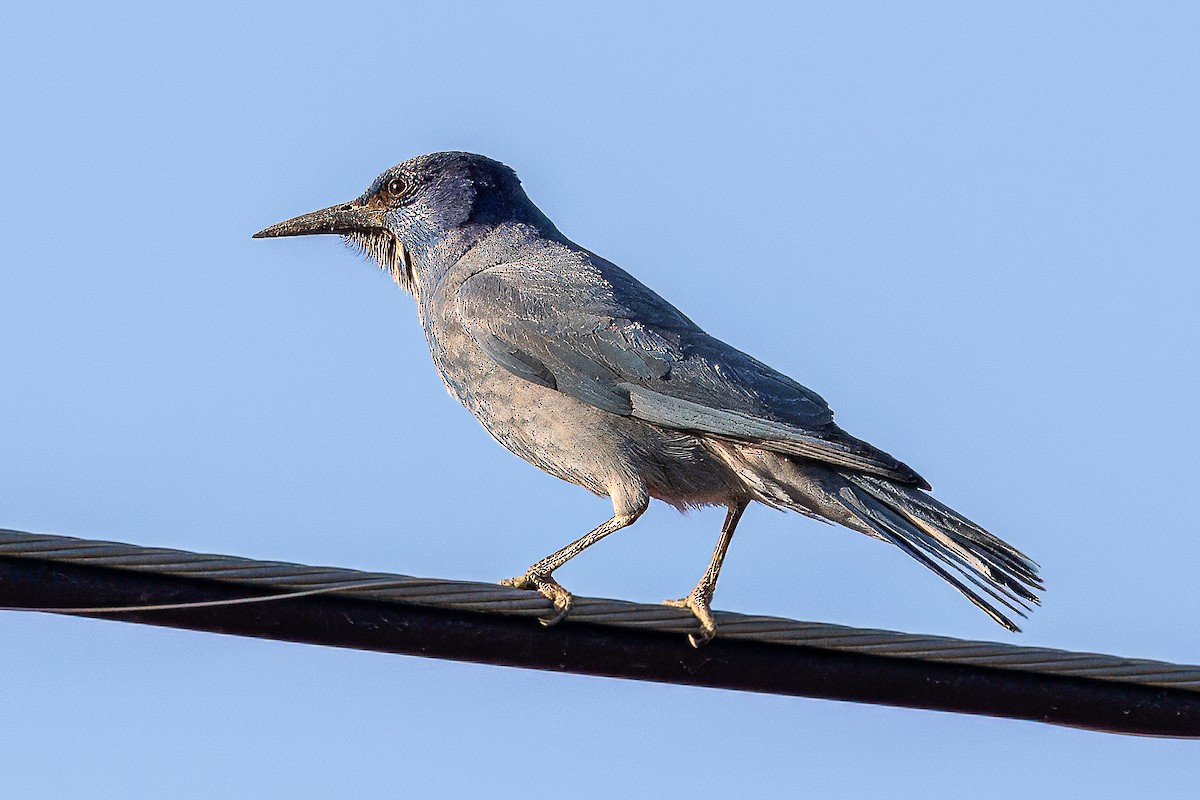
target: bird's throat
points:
(389, 252)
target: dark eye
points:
(397, 187)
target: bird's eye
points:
(397, 187)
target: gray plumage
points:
(580, 369)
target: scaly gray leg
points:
(700, 598)
(539, 576)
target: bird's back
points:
(557, 314)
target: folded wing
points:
(607, 340)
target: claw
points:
(558, 617)
(698, 605)
(548, 588)
(521, 582)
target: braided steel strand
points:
(299, 580)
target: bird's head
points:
(427, 207)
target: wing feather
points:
(607, 340)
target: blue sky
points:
(972, 230)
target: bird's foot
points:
(548, 588)
(697, 602)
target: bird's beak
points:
(344, 218)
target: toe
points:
(556, 594)
(697, 603)
(521, 582)
(559, 615)
(707, 632)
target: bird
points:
(577, 367)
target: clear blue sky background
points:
(972, 229)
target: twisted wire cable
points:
(286, 580)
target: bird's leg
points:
(540, 575)
(700, 598)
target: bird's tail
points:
(991, 573)
(975, 562)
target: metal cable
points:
(297, 580)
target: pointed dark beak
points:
(345, 218)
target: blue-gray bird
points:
(574, 365)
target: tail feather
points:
(931, 532)
(935, 513)
(991, 573)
